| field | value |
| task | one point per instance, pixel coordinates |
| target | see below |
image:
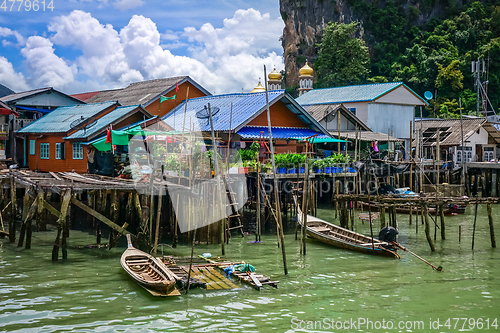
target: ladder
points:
(234, 212)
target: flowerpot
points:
(315, 170)
(302, 170)
(243, 170)
(351, 170)
(340, 170)
(292, 170)
(281, 170)
(328, 169)
(334, 169)
(186, 173)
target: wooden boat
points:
(416, 210)
(334, 235)
(149, 272)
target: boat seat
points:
(319, 229)
(147, 277)
(374, 242)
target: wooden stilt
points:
(492, 230)
(13, 206)
(459, 233)
(441, 215)
(382, 214)
(427, 227)
(26, 207)
(60, 224)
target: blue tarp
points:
(33, 109)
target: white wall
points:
(397, 118)
(332, 125)
(480, 138)
(400, 95)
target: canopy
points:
(325, 140)
(122, 137)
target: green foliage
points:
(343, 59)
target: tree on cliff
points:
(342, 59)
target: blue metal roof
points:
(59, 120)
(253, 132)
(234, 111)
(359, 93)
(103, 122)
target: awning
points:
(367, 136)
(123, 137)
(283, 133)
(27, 108)
(8, 112)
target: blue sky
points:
(87, 45)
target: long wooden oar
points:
(439, 269)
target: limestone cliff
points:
(305, 20)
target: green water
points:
(90, 292)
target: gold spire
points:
(274, 75)
(258, 88)
(306, 70)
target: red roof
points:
(85, 96)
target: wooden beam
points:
(55, 176)
(100, 217)
(51, 209)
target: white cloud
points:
(46, 68)
(6, 32)
(10, 78)
(127, 4)
(222, 60)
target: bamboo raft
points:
(210, 273)
(343, 238)
(148, 272)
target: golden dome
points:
(306, 70)
(274, 75)
(259, 88)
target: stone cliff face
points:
(304, 23)
(306, 19)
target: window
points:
(77, 151)
(32, 147)
(464, 152)
(60, 154)
(44, 151)
(353, 110)
(459, 156)
(488, 154)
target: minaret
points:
(305, 79)
(274, 82)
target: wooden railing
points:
(20, 123)
(4, 129)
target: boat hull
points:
(149, 272)
(343, 238)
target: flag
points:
(162, 99)
(176, 87)
(108, 136)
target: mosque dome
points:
(274, 75)
(306, 70)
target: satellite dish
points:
(428, 95)
(83, 123)
(203, 113)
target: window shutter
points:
(63, 150)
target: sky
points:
(79, 46)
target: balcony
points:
(20, 123)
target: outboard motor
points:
(388, 234)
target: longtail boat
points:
(149, 272)
(343, 238)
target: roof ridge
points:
(361, 85)
(157, 80)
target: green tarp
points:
(122, 138)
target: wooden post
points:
(382, 214)
(410, 213)
(492, 230)
(459, 233)
(158, 217)
(441, 215)
(411, 159)
(26, 207)
(258, 226)
(13, 206)
(60, 223)
(438, 157)
(427, 227)
(115, 217)
(305, 204)
(45, 214)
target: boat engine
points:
(388, 234)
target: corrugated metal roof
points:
(103, 122)
(59, 120)
(366, 136)
(85, 96)
(234, 111)
(19, 95)
(359, 93)
(320, 111)
(244, 107)
(450, 133)
(144, 92)
(253, 132)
